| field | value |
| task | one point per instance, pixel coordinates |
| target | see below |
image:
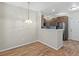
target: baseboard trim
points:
(74, 40)
(30, 43)
(60, 47)
(17, 46)
(49, 45)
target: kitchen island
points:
(52, 37)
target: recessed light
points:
(74, 8)
(53, 10)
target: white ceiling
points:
(46, 7)
(33, 5)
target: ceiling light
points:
(53, 10)
(28, 21)
(74, 7)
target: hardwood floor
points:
(71, 48)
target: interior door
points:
(74, 28)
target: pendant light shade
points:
(28, 21)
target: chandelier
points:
(28, 21)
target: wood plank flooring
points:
(71, 48)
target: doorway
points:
(64, 19)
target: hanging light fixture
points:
(28, 21)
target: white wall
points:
(13, 30)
